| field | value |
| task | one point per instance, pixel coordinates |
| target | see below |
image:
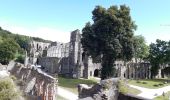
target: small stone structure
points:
(105, 90)
(36, 84)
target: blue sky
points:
(55, 19)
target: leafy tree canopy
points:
(110, 37)
(140, 47)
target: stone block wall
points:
(36, 84)
(105, 90)
(50, 64)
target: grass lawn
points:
(166, 97)
(126, 89)
(150, 83)
(71, 84)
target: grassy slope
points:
(71, 84)
(123, 88)
(166, 97)
(149, 83)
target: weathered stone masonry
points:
(69, 59)
(36, 84)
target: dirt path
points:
(151, 93)
(67, 94)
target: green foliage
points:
(159, 54)
(20, 59)
(7, 90)
(125, 89)
(166, 71)
(110, 37)
(23, 41)
(40, 39)
(140, 47)
(14, 44)
(8, 48)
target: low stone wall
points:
(105, 90)
(36, 84)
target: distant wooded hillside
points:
(13, 46)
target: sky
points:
(55, 19)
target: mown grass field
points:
(71, 84)
(150, 83)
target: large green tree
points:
(8, 49)
(141, 48)
(157, 55)
(109, 37)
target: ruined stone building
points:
(34, 83)
(69, 59)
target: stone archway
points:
(96, 73)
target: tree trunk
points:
(107, 67)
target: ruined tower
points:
(75, 54)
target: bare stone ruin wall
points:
(105, 90)
(50, 64)
(73, 64)
(35, 84)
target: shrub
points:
(144, 82)
(155, 85)
(20, 59)
(160, 84)
(7, 90)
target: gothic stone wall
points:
(50, 64)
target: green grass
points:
(149, 83)
(166, 97)
(123, 88)
(71, 84)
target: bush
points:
(20, 59)
(144, 82)
(7, 90)
(155, 85)
(160, 84)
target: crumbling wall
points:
(105, 90)
(36, 84)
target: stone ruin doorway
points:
(96, 73)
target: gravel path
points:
(151, 93)
(66, 94)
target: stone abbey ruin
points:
(69, 59)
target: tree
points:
(140, 48)
(8, 49)
(110, 37)
(22, 41)
(157, 55)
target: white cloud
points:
(48, 33)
